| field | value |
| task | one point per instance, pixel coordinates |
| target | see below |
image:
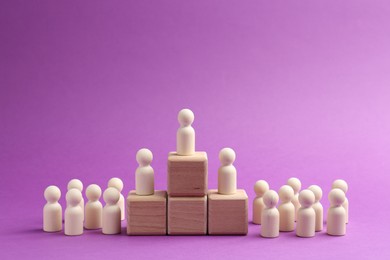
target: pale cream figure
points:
(185, 142)
(286, 209)
(144, 175)
(270, 215)
(317, 206)
(74, 214)
(227, 173)
(295, 183)
(93, 207)
(111, 212)
(77, 184)
(260, 188)
(118, 184)
(336, 224)
(52, 211)
(342, 185)
(306, 216)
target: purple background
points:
(297, 89)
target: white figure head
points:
(111, 196)
(340, 184)
(185, 117)
(295, 183)
(271, 198)
(93, 192)
(286, 193)
(227, 156)
(336, 197)
(75, 184)
(73, 197)
(115, 183)
(306, 198)
(52, 194)
(317, 192)
(144, 157)
(260, 188)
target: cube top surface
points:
(239, 195)
(197, 157)
(159, 195)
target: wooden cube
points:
(187, 215)
(187, 175)
(147, 215)
(227, 214)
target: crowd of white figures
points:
(303, 207)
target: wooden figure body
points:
(260, 188)
(295, 183)
(144, 175)
(270, 215)
(93, 208)
(336, 220)
(77, 184)
(342, 185)
(306, 216)
(185, 139)
(317, 206)
(74, 214)
(118, 184)
(111, 212)
(227, 173)
(52, 211)
(286, 209)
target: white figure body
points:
(286, 209)
(93, 208)
(342, 185)
(306, 217)
(270, 215)
(118, 184)
(144, 175)
(185, 142)
(260, 188)
(52, 211)
(77, 184)
(111, 212)
(317, 206)
(227, 174)
(74, 214)
(336, 224)
(295, 183)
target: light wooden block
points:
(187, 175)
(227, 214)
(147, 215)
(187, 215)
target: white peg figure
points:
(74, 214)
(317, 206)
(185, 142)
(336, 224)
(52, 211)
(227, 173)
(270, 215)
(342, 185)
(77, 184)
(93, 208)
(111, 212)
(306, 217)
(144, 175)
(286, 209)
(260, 188)
(295, 183)
(118, 184)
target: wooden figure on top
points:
(227, 174)
(185, 142)
(144, 175)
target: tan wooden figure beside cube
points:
(227, 214)
(187, 215)
(147, 215)
(187, 175)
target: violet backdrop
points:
(296, 88)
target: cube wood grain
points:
(227, 214)
(187, 175)
(187, 215)
(147, 215)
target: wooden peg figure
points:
(317, 206)
(185, 143)
(77, 184)
(295, 183)
(306, 216)
(144, 175)
(93, 208)
(111, 212)
(286, 209)
(342, 185)
(227, 174)
(52, 211)
(118, 184)
(260, 188)
(336, 224)
(270, 215)
(74, 214)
